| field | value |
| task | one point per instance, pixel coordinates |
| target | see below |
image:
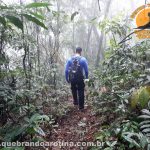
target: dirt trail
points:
(76, 127)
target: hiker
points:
(76, 71)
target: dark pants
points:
(78, 93)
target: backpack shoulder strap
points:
(78, 57)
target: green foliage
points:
(122, 82)
(137, 140)
(27, 126)
(35, 5)
(140, 97)
(20, 105)
(3, 21)
(16, 21)
(145, 124)
(35, 20)
(122, 136)
(116, 28)
(123, 72)
(37, 15)
(19, 11)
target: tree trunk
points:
(38, 49)
(57, 43)
(100, 54)
(90, 28)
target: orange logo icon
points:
(142, 20)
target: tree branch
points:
(125, 39)
(99, 5)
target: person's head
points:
(78, 50)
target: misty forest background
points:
(36, 39)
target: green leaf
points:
(146, 130)
(134, 99)
(111, 144)
(145, 111)
(13, 133)
(148, 77)
(144, 122)
(35, 5)
(35, 20)
(16, 21)
(144, 116)
(141, 97)
(30, 130)
(144, 97)
(145, 126)
(143, 140)
(45, 117)
(39, 131)
(147, 134)
(128, 137)
(5, 7)
(2, 20)
(34, 118)
(37, 117)
(39, 16)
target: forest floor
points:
(76, 127)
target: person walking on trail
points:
(75, 72)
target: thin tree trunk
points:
(1, 52)
(73, 35)
(25, 51)
(57, 44)
(38, 48)
(100, 54)
(88, 38)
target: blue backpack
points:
(75, 70)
